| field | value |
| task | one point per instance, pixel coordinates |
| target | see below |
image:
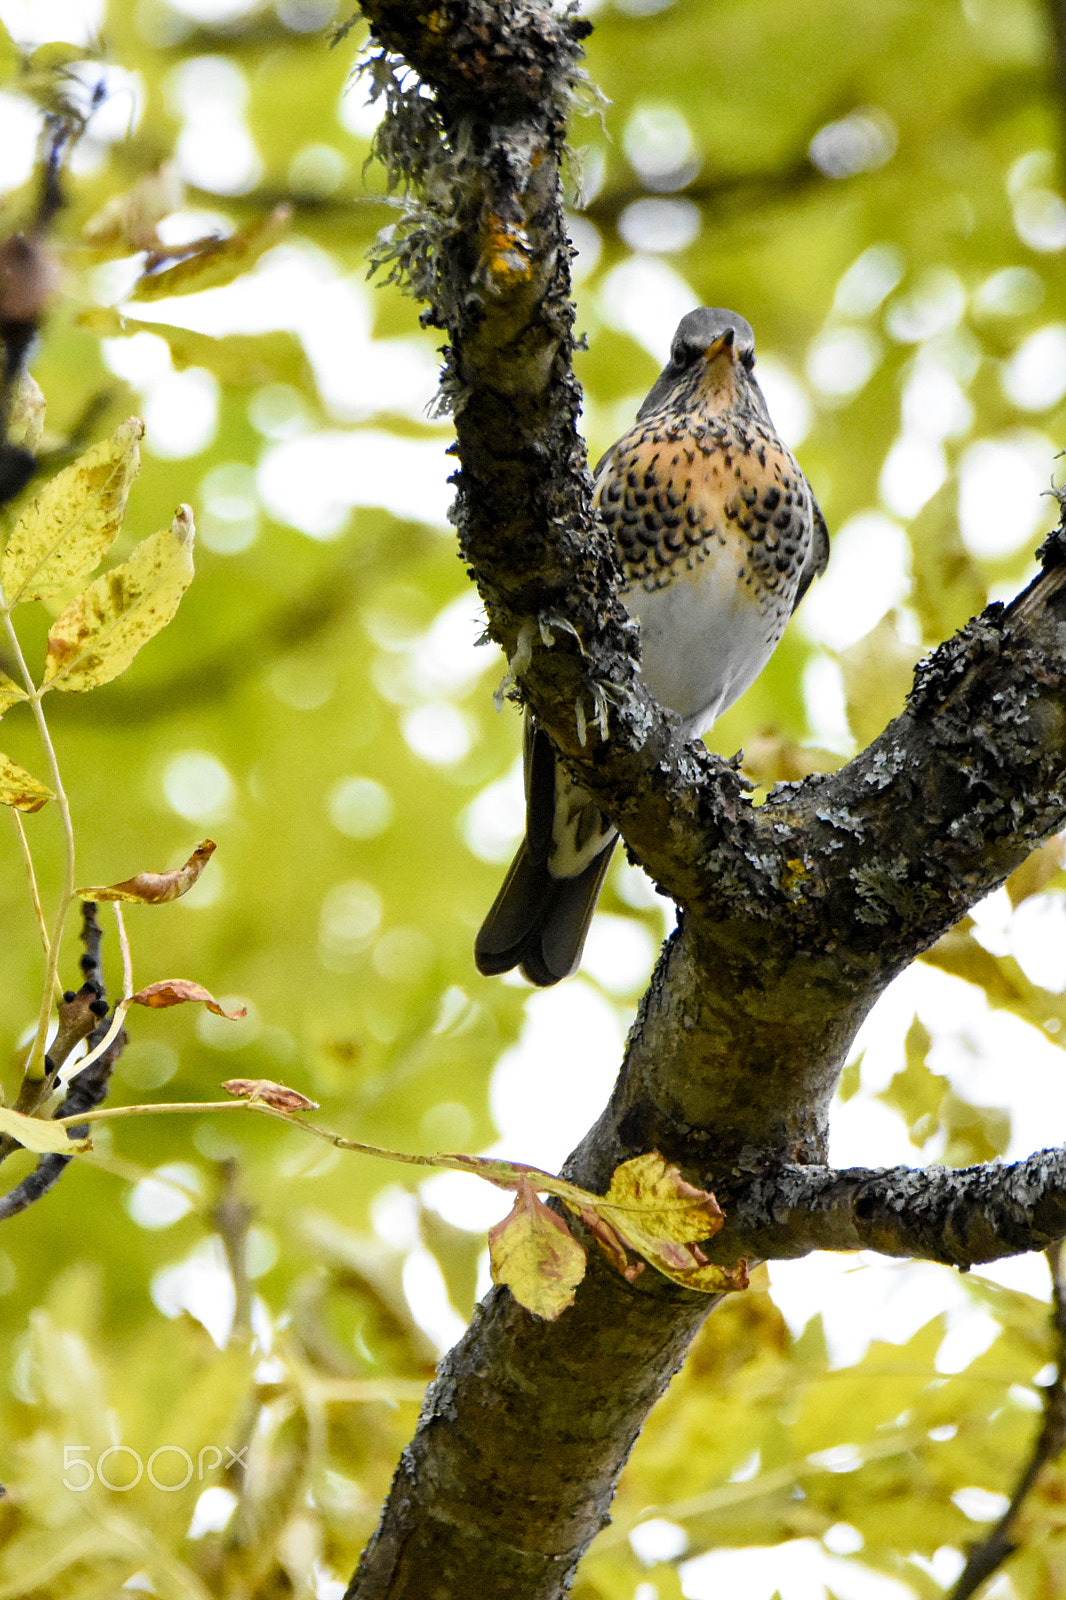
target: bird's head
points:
(711, 359)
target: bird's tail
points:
(539, 922)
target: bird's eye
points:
(747, 356)
(683, 355)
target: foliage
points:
(247, 1296)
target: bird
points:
(717, 536)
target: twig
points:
(502, 1174)
(990, 1554)
(91, 1087)
(101, 1042)
(104, 1038)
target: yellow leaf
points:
(35, 1134)
(534, 1253)
(648, 1192)
(10, 693)
(770, 758)
(68, 528)
(177, 992)
(210, 262)
(959, 953)
(657, 1213)
(19, 789)
(101, 631)
(154, 888)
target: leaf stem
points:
(503, 1174)
(124, 947)
(117, 1019)
(24, 845)
(35, 1069)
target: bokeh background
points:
(877, 188)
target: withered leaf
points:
(278, 1095)
(155, 888)
(178, 992)
(664, 1218)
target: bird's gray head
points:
(696, 335)
(700, 329)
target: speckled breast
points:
(712, 525)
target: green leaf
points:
(916, 1092)
(974, 1133)
(246, 360)
(20, 789)
(68, 528)
(878, 671)
(101, 631)
(10, 56)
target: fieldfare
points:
(718, 537)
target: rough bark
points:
(795, 914)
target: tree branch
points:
(795, 914)
(89, 1089)
(957, 1217)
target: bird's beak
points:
(725, 344)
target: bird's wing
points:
(818, 554)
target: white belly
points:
(705, 637)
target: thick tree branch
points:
(796, 914)
(958, 1217)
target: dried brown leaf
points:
(178, 992)
(155, 888)
(278, 1095)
